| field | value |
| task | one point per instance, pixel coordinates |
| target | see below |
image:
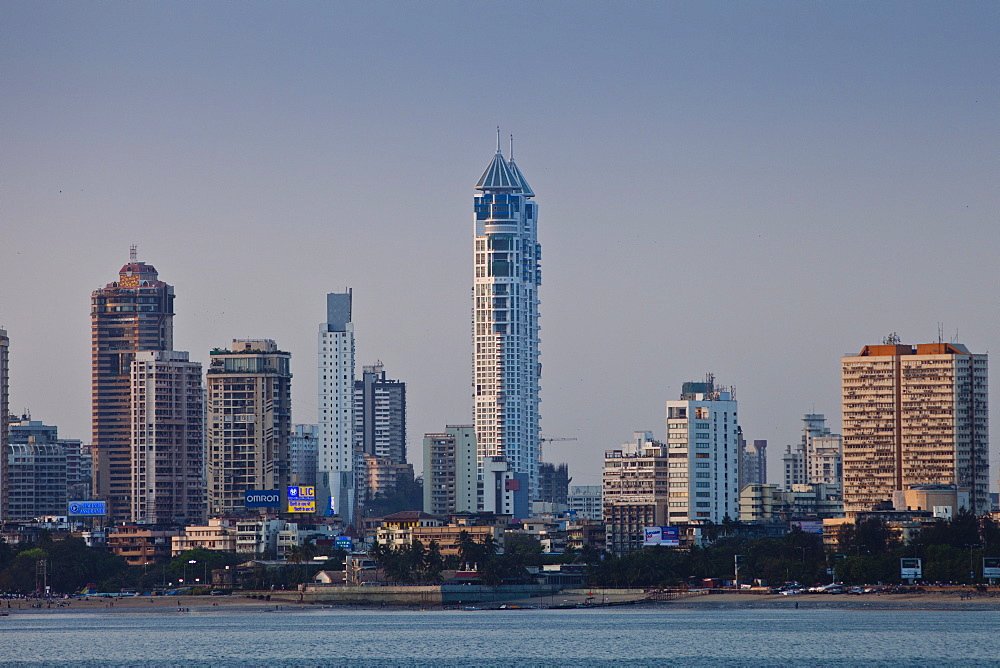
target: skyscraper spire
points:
(505, 338)
(498, 139)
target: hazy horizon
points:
(752, 190)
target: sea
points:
(588, 637)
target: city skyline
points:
(753, 191)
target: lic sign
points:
(262, 498)
(302, 499)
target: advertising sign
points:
(667, 536)
(809, 526)
(991, 567)
(910, 569)
(86, 508)
(344, 543)
(301, 499)
(262, 498)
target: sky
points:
(747, 189)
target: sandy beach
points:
(956, 599)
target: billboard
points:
(809, 526)
(667, 536)
(344, 543)
(910, 569)
(301, 499)
(991, 567)
(262, 498)
(86, 508)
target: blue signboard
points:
(301, 499)
(86, 508)
(262, 498)
(345, 543)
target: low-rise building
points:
(219, 535)
(141, 545)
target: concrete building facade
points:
(132, 314)
(914, 415)
(4, 417)
(703, 441)
(635, 490)
(168, 439)
(249, 422)
(335, 478)
(450, 471)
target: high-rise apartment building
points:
(914, 415)
(249, 422)
(303, 451)
(507, 262)
(553, 483)
(335, 477)
(4, 417)
(132, 314)
(450, 471)
(380, 415)
(703, 445)
(815, 459)
(753, 462)
(168, 439)
(635, 490)
(46, 476)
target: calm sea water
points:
(504, 638)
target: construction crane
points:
(549, 440)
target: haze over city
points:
(751, 190)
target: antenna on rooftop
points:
(511, 148)
(940, 332)
(132, 252)
(498, 139)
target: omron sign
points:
(262, 498)
(86, 508)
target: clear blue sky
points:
(752, 189)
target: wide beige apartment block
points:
(914, 415)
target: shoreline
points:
(930, 601)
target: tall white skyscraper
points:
(505, 322)
(335, 477)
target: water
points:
(633, 637)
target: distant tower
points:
(134, 313)
(249, 422)
(335, 477)
(507, 261)
(380, 415)
(4, 417)
(450, 471)
(168, 439)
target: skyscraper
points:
(507, 266)
(168, 439)
(249, 422)
(380, 415)
(4, 417)
(132, 314)
(914, 415)
(335, 477)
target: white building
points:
(505, 321)
(336, 461)
(703, 452)
(168, 439)
(585, 501)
